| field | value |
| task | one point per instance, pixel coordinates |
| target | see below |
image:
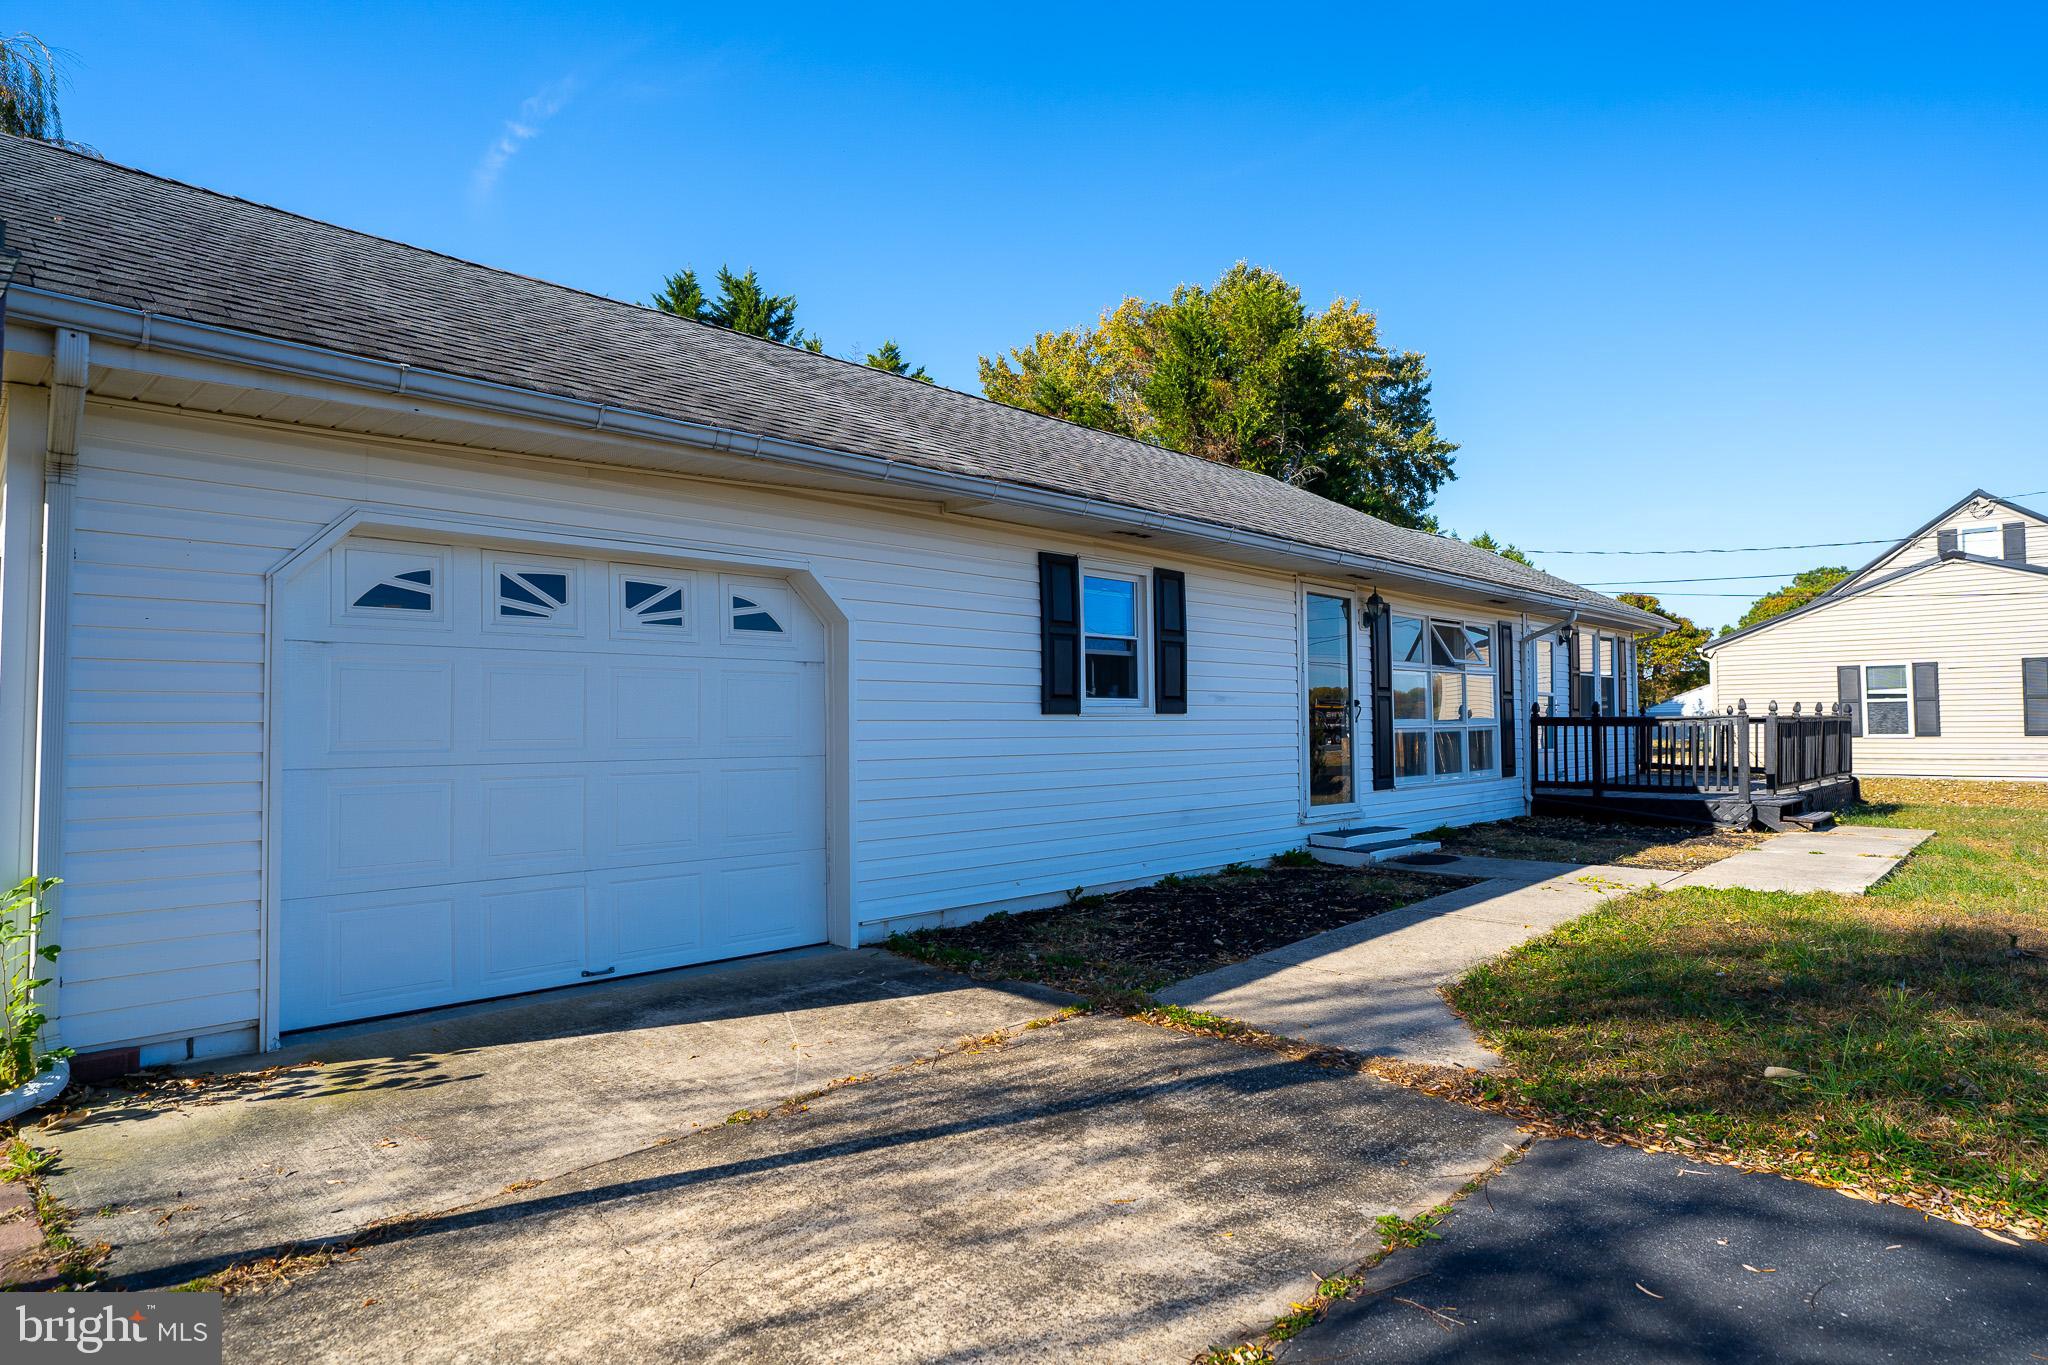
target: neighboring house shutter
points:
(1059, 635)
(1927, 699)
(1381, 619)
(1849, 691)
(1504, 651)
(1944, 543)
(1170, 641)
(2034, 695)
(2016, 542)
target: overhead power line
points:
(1752, 549)
(1787, 575)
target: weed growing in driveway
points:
(64, 1262)
(1397, 1232)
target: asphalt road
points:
(1591, 1254)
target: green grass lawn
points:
(1917, 1015)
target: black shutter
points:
(1927, 699)
(1381, 620)
(1170, 641)
(2034, 695)
(1504, 655)
(1849, 691)
(1945, 543)
(1574, 705)
(1059, 635)
(2016, 542)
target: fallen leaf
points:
(1639, 1285)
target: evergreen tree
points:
(889, 357)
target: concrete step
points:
(1357, 838)
(1366, 857)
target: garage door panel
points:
(649, 815)
(658, 705)
(531, 937)
(526, 706)
(656, 919)
(474, 805)
(767, 904)
(532, 823)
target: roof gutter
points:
(158, 332)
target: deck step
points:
(1812, 820)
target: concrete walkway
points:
(1849, 859)
(1373, 986)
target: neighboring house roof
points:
(1839, 594)
(96, 230)
(1939, 517)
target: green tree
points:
(1242, 373)
(888, 356)
(1667, 662)
(28, 91)
(1802, 589)
(742, 305)
(1485, 541)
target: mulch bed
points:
(1565, 839)
(1104, 947)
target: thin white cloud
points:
(534, 112)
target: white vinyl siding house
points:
(360, 697)
(1932, 650)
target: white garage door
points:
(505, 772)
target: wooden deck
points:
(1781, 769)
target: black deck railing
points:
(1733, 754)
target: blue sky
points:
(1749, 275)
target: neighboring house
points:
(380, 631)
(1694, 701)
(1940, 644)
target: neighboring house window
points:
(1884, 699)
(1988, 541)
(1109, 631)
(1445, 698)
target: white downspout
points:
(24, 427)
(70, 372)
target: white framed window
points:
(1112, 651)
(525, 594)
(390, 583)
(653, 602)
(1988, 541)
(1887, 700)
(1446, 699)
(755, 612)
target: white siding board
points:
(964, 795)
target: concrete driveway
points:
(557, 1180)
(352, 1126)
(1097, 1190)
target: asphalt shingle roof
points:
(113, 234)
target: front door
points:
(1332, 709)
